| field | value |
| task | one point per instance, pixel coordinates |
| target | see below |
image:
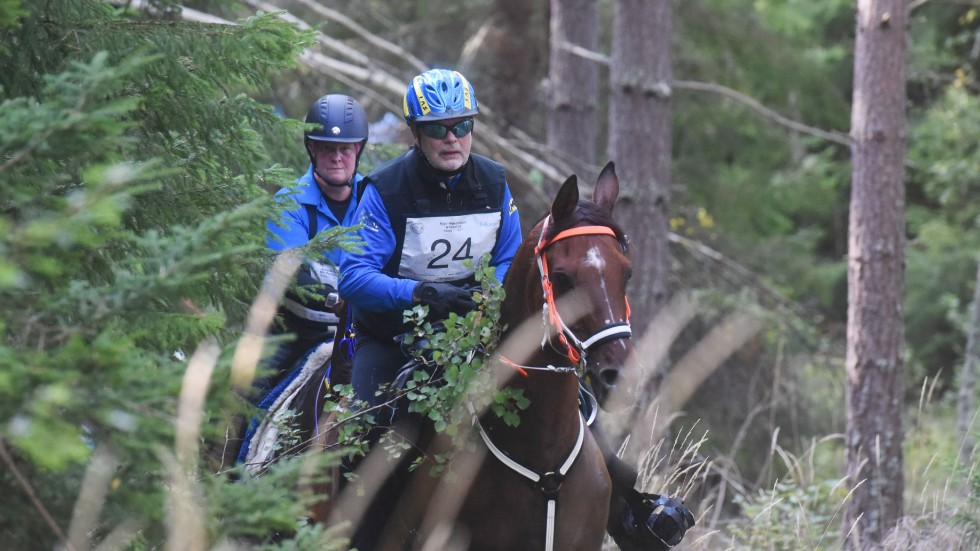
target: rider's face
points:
(448, 153)
(335, 161)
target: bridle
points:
(575, 349)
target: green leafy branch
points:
(453, 362)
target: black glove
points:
(443, 298)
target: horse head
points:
(584, 266)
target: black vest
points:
(410, 188)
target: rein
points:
(577, 349)
(523, 369)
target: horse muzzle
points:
(611, 371)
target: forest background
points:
(139, 144)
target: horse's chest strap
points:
(549, 483)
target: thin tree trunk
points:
(876, 267)
(968, 379)
(641, 76)
(573, 87)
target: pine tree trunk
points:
(965, 404)
(641, 77)
(876, 258)
(573, 87)
(504, 59)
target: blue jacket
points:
(369, 280)
(297, 223)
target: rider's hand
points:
(443, 298)
(338, 307)
(648, 522)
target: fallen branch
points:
(367, 35)
(748, 101)
(754, 104)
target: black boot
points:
(648, 522)
(637, 521)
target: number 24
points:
(443, 247)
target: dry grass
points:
(801, 509)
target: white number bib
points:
(436, 246)
(325, 273)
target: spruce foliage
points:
(134, 164)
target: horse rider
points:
(422, 214)
(325, 197)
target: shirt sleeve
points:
(361, 281)
(510, 237)
(292, 228)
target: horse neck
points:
(553, 394)
(549, 426)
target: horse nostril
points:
(608, 377)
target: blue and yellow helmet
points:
(439, 94)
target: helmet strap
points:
(348, 184)
(321, 181)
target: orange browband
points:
(584, 230)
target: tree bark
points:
(511, 61)
(968, 379)
(641, 75)
(573, 87)
(876, 258)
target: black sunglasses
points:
(437, 131)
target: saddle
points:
(275, 432)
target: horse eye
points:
(561, 283)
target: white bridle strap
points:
(618, 331)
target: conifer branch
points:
(187, 14)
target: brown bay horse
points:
(543, 484)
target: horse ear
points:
(567, 199)
(607, 188)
